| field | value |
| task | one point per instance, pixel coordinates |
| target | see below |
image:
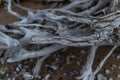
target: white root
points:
(37, 68)
(24, 54)
(54, 29)
(87, 73)
(104, 60)
(9, 9)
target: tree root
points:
(87, 71)
(38, 65)
(54, 29)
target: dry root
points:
(80, 23)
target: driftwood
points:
(80, 23)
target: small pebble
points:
(26, 66)
(17, 69)
(27, 75)
(74, 72)
(65, 49)
(101, 77)
(14, 78)
(47, 77)
(56, 59)
(107, 71)
(39, 77)
(51, 68)
(110, 79)
(72, 56)
(2, 72)
(114, 66)
(65, 74)
(54, 67)
(118, 76)
(118, 67)
(2, 61)
(68, 59)
(20, 66)
(118, 56)
(83, 51)
(8, 79)
(6, 74)
(78, 63)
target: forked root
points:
(54, 29)
(87, 71)
(37, 68)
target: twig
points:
(101, 4)
(9, 8)
(38, 65)
(75, 3)
(24, 8)
(87, 69)
(104, 60)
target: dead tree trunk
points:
(80, 23)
